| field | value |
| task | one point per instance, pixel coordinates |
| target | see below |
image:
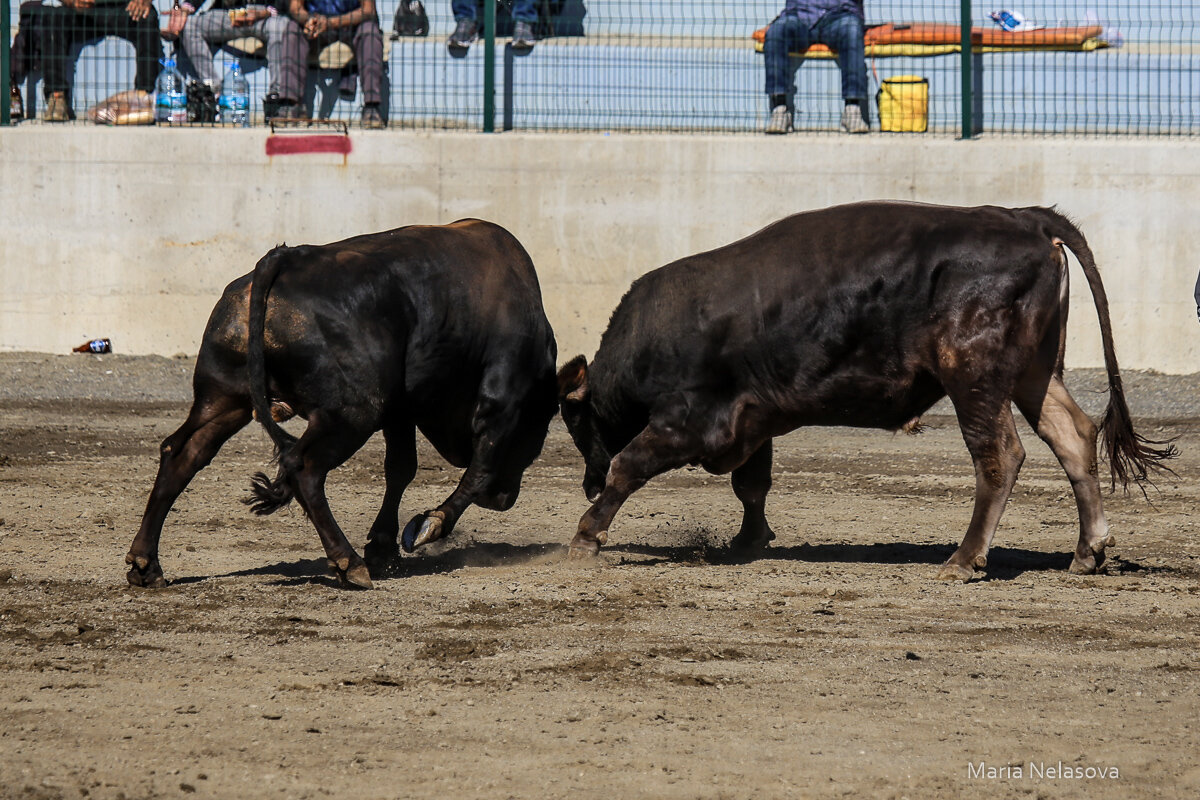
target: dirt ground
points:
(488, 667)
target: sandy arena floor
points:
(488, 667)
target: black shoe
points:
(465, 34)
(372, 117)
(291, 109)
(410, 19)
(523, 39)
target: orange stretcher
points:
(936, 38)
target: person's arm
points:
(352, 19)
(313, 24)
(176, 19)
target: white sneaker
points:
(852, 120)
(780, 121)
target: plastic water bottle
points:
(234, 101)
(170, 95)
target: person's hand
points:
(176, 18)
(248, 16)
(316, 25)
(79, 4)
(138, 10)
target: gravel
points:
(123, 378)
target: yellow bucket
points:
(904, 104)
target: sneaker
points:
(522, 38)
(852, 120)
(372, 117)
(465, 33)
(56, 108)
(16, 106)
(780, 121)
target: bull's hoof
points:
(422, 529)
(1092, 562)
(144, 572)
(380, 552)
(954, 572)
(748, 544)
(584, 548)
(351, 575)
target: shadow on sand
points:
(1004, 563)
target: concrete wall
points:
(132, 233)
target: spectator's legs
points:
(144, 36)
(201, 35)
(844, 33)
(63, 27)
(368, 52)
(786, 34)
(524, 11)
(286, 50)
(27, 44)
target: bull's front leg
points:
(751, 483)
(657, 449)
(439, 522)
(474, 487)
(400, 467)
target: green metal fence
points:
(1067, 67)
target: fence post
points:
(965, 64)
(5, 49)
(507, 113)
(489, 66)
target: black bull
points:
(862, 315)
(439, 328)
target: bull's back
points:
(417, 301)
(824, 310)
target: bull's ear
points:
(573, 380)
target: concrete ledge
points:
(133, 233)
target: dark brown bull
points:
(862, 315)
(437, 328)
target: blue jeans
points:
(522, 10)
(843, 33)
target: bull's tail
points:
(267, 496)
(1131, 456)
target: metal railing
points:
(1096, 67)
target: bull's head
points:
(525, 433)
(575, 399)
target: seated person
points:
(836, 23)
(25, 56)
(466, 29)
(77, 21)
(353, 22)
(203, 33)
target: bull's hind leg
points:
(399, 467)
(212, 420)
(325, 445)
(1071, 434)
(991, 436)
(751, 482)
